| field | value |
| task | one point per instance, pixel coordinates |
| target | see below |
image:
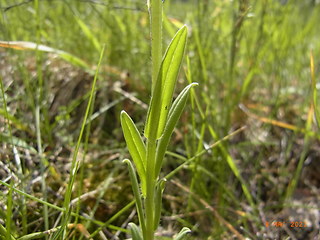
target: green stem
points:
(149, 202)
(156, 37)
(155, 10)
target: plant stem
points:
(156, 37)
(155, 11)
(149, 202)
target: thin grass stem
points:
(75, 163)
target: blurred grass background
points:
(252, 61)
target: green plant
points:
(161, 120)
(314, 92)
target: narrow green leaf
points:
(135, 232)
(9, 211)
(16, 142)
(14, 121)
(163, 90)
(182, 233)
(136, 192)
(74, 163)
(135, 146)
(22, 45)
(314, 91)
(181, 99)
(74, 60)
(3, 233)
(38, 235)
(60, 209)
(87, 31)
(174, 115)
(158, 202)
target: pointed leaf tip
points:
(181, 235)
(173, 117)
(163, 90)
(135, 146)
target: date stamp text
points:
(290, 224)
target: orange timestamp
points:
(292, 224)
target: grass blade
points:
(75, 163)
(314, 91)
(9, 211)
(86, 30)
(38, 235)
(22, 45)
(60, 209)
(4, 233)
(164, 87)
(136, 147)
(306, 146)
(14, 122)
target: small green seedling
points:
(148, 155)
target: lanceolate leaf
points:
(136, 192)
(135, 232)
(135, 146)
(162, 93)
(181, 235)
(174, 115)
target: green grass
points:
(242, 153)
